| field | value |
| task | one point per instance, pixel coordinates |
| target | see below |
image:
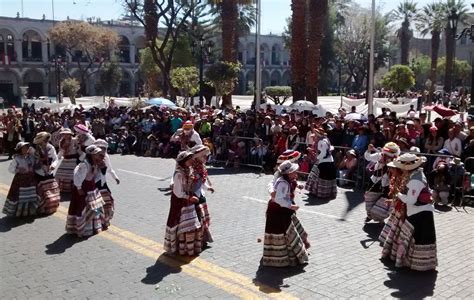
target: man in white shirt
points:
(453, 144)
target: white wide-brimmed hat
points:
(66, 131)
(289, 155)
(199, 151)
(391, 149)
(41, 137)
(93, 149)
(101, 143)
(407, 161)
(21, 145)
(287, 167)
(183, 156)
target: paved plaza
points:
(39, 261)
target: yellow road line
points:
(231, 282)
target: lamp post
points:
(57, 63)
(469, 33)
(453, 24)
(202, 49)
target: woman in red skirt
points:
(183, 230)
(286, 241)
(22, 200)
(86, 211)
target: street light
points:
(56, 62)
(203, 50)
(453, 19)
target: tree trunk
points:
(318, 10)
(229, 15)
(298, 49)
(435, 42)
(448, 71)
(405, 43)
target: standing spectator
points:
(265, 130)
(27, 127)
(453, 144)
(176, 122)
(361, 141)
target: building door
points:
(6, 92)
(35, 90)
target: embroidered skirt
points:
(285, 238)
(412, 244)
(376, 207)
(48, 194)
(322, 181)
(204, 217)
(86, 212)
(65, 173)
(22, 200)
(108, 201)
(183, 228)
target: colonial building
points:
(27, 59)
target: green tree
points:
(406, 11)
(400, 79)
(186, 80)
(431, 20)
(70, 87)
(421, 67)
(279, 93)
(223, 76)
(87, 44)
(110, 76)
(461, 71)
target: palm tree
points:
(298, 48)
(317, 13)
(431, 20)
(229, 11)
(455, 9)
(405, 11)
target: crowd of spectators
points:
(254, 137)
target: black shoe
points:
(368, 219)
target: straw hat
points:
(407, 161)
(21, 145)
(101, 143)
(289, 155)
(319, 131)
(93, 149)
(81, 129)
(217, 122)
(352, 152)
(66, 131)
(287, 167)
(199, 151)
(41, 137)
(183, 156)
(188, 125)
(391, 149)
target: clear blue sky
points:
(274, 12)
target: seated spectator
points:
(361, 140)
(440, 179)
(453, 144)
(347, 167)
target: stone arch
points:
(276, 54)
(250, 81)
(32, 45)
(250, 53)
(125, 86)
(265, 79)
(140, 43)
(35, 80)
(10, 81)
(123, 49)
(265, 54)
(7, 44)
(275, 78)
(286, 78)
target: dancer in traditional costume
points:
(183, 229)
(377, 207)
(84, 139)
(101, 180)
(286, 241)
(86, 210)
(201, 183)
(46, 161)
(22, 200)
(289, 155)
(322, 182)
(412, 242)
(68, 156)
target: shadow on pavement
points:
(63, 243)
(412, 284)
(65, 197)
(8, 223)
(230, 171)
(164, 266)
(315, 201)
(270, 279)
(373, 231)
(354, 199)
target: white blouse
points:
(84, 171)
(110, 170)
(323, 148)
(414, 186)
(180, 186)
(21, 162)
(282, 193)
(375, 158)
(45, 169)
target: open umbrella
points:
(444, 111)
(160, 102)
(303, 105)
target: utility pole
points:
(370, 95)
(258, 70)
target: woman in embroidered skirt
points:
(412, 244)
(286, 241)
(68, 157)
(86, 210)
(322, 182)
(22, 200)
(183, 230)
(376, 205)
(201, 183)
(46, 161)
(84, 139)
(101, 180)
